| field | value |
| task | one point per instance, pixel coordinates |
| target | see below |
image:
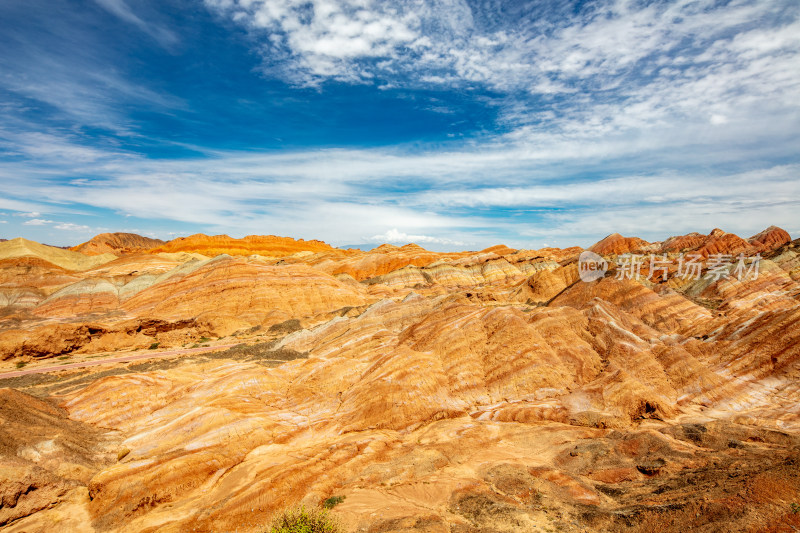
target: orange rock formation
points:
(268, 245)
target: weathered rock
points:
(43, 455)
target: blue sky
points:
(453, 124)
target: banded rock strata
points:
(461, 392)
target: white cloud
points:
(79, 83)
(69, 226)
(37, 222)
(351, 40)
(616, 79)
(51, 148)
(449, 198)
(394, 236)
(669, 189)
(446, 42)
(718, 119)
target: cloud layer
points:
(452, 199)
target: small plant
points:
(202, 340)
(302, 520)
(154, 346)
(20, 364)
(332, 502)
(795, 508)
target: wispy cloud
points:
(452, 41)
(61, 69)
(472, 197)
(37, 222)
(69, 226)
(122, 10)
(614, 77)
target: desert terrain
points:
(206, 383)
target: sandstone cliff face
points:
(474, 391)
(117, 244)
(46, 459)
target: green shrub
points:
(20, 364)
(332, 502)
(286, 327)
(154, 346)
(302, 520)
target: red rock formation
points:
(684, 243)
(770, 239)
(616, 244)
(719, 242)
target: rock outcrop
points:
(46, 459)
